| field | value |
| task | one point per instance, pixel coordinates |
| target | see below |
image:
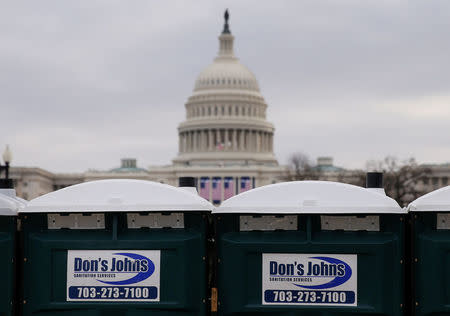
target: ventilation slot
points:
(155, 220)
(76, 221)
(268, 223)
(350, 223)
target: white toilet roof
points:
(310, 197)
(121, 195)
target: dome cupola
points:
(226, 72)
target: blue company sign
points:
(328, 267)
(309, 279)
(113, 275)
(125, 262)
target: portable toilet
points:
(311, 248)
(430, 244)
(115, 247)
(9, 207)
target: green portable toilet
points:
(431, 253)
(115, 247)
(9, 206)
(311, 248)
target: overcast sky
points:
(85, 83)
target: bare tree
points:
(355, 177)
(301, 168)
(401, 178)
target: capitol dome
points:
(226, 115)
(226, 73)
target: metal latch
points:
(350, 223)
(443, 221)
(155, 220)
(268, 222)
(76, 221)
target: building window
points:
(435, 181)
(444, 181)
(426, 181)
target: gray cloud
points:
(85, 83)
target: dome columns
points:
(226, 139)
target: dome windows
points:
(249, 109)
(227, 82)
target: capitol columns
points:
(258, 145)
(188, 142)
(264, 142)
(234, 139)
(203, 139)
(226, 144)
(194, 134)
(217, 139)
(271, 143)
(210, 138)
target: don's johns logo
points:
(319, 279)
(312, 272)
(117, 268)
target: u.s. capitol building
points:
(225, 142)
